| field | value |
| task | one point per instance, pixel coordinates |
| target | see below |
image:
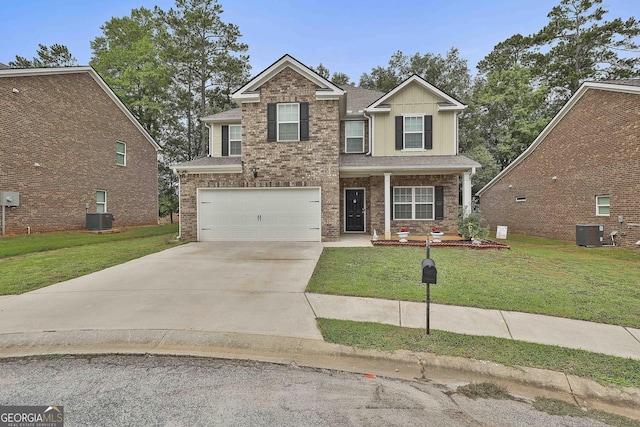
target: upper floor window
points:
(288, 121)
(101, 201)
(603, 205)
(231, 140)
(413, 203)
(354, 136)
(414, 132)
(121, 153)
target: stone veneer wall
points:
(312, 163)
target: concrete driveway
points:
(255, 288)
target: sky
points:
(350, 36)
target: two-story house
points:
(305, 159)
(68, 147)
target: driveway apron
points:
(246, 287)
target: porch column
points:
(466, 193)
(387, 206)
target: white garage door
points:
(259, 214)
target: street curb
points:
(520, 381)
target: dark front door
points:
(354, 210)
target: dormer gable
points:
(250, 92)
(447, 103)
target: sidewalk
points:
(595, 337)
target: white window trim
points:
(598, 205)
(235, 140)
(101, 203)
(413, 203)
(520, 199)
(278, 121)
(346, 137)
(404, 132)
(124, 154)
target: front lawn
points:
(540, 276)
(32, 262)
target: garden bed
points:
(486, 244)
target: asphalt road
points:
(181, 391)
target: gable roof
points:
(227, 116)
(625, 86)
(324, 88)
(449, 103)
(26, 72)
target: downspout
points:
(209, 132)
(369, 119)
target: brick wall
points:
(594, 150)
(69, 126)
(281, 164)
(374, 193)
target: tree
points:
(449, 73)
(512, 111)
(48, 57)
(129, 57)
(202, 49)
(338, 78)
(581, 46)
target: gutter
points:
(370, 120)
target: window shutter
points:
(428, 132)
(272, 133)
(391, 207)
(225, 140)
(439, 202)
(304, 121)
(399, 132)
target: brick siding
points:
(593, 150)
(69, 126)
(280, 164)
(374, 201)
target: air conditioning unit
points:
(99, 221)
(589, 234)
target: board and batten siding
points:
(415, 100)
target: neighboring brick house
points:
(583, 168)
(304, 159)
(69, 146)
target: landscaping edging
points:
(486, 244)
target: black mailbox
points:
(429, 271)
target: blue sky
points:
(351, 36)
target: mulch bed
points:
(486, 244)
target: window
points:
(101, 201)
(288, 122)
(121, 153)
(354, 136)
(413, 132)
(413, 203)
(603, 205)
(235, 140)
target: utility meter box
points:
(9, 198)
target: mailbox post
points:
(429, 276)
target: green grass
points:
(26, 244)
(540, 276)
(37, 266)
(601, 368)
